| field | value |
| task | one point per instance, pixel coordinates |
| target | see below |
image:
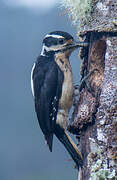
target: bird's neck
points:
(61, 56)
(44, 52)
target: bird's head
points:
(60, 42)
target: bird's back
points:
(47, 82)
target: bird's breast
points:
(66, 100)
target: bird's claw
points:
(85, 82)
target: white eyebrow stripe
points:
(54, 36)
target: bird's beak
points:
(74, 45)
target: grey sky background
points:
(23, 153)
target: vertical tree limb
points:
(95, 114)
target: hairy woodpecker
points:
(53, 88)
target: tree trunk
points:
(94, 119)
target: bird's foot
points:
(85, 82)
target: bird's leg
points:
(85, 82)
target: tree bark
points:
(94, 119)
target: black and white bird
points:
(53, 88)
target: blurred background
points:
(23, 152)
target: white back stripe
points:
(32, 85)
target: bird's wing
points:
(47, 84)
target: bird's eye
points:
(61, 41)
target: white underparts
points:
(32, 85)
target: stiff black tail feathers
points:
(49, 139)
(71, 147)
(73, 150)
(67, 141)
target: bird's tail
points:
(71, 147)
(49, 139)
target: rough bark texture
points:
(103, 17)
(95, 114)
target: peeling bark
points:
(85, 109)
(95, 115)
(94, 119)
